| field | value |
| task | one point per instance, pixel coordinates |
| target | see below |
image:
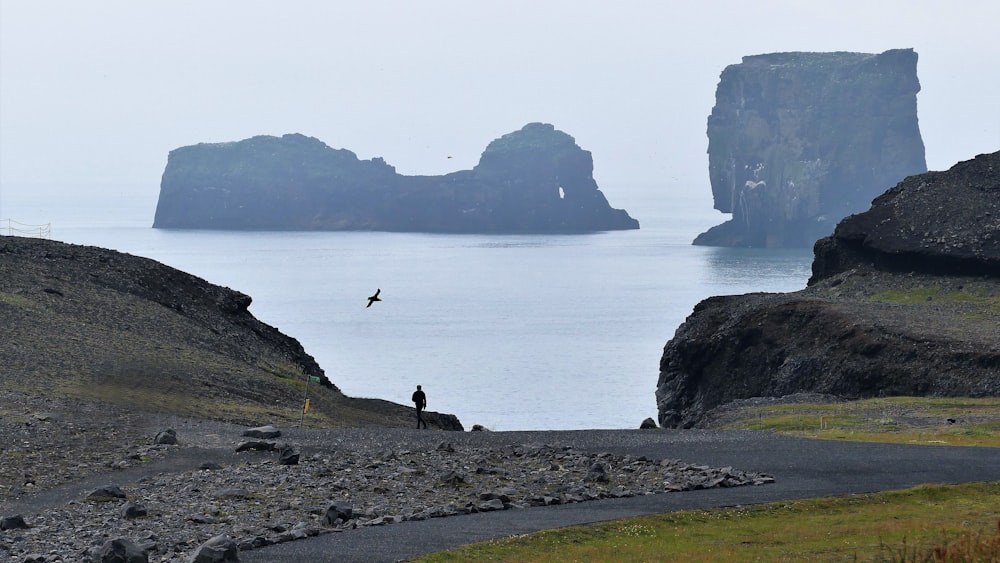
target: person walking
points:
(420, 401)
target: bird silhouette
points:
(374, 298)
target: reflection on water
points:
(771, 269)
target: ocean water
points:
(512, 332)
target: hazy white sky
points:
(99, 92)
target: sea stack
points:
(534, 180)
(904, 300)
(798, 141)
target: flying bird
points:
(374, 298)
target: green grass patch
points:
(903, 420)
(18, 301)
(916, 295)
(907, 296)
(892, 526)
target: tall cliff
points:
(535, 180)
(904, 300)
(798, 141)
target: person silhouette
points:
(420, 401)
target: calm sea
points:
(511, 332)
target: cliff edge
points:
(904, 300)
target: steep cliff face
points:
(904, 300)
(944, 223)
(798, 141)
(536, 179)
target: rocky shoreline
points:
(174, 498)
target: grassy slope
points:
(93, 324)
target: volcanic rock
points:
(904, 300)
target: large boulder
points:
(535, 180)
(798, 141)
(904, 300)
(119, 550)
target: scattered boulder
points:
(491, 505)
(131, 510)
(107, 492)
(453, 478)
(166, 437)
(263, 432)
(597, 473)
(15, 522)
(209, 466)
(647, 424)
(256, 445)
(479, 428)
(338, 512)
(220, 549)
(119, 550)
(232, 492)
(288, 456)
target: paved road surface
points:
(802, 469)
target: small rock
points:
(107, 492)
(263, 432)
(119, 550)
(288, 456)
(210, 466)
(220, 549)
(234, 492)
(597, 473)
(647, 424)
(338, 511)
(256, 446)
(15, 522)
(132, 510)
(166, 437)
(453, 478)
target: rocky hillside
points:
(535, 180)
(89, 323)
(798, 141)
(904, 300)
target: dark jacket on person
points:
(419, 399)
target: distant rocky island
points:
(798, 141)
(535, 180)
(904, 300)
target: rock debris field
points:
(284, 486)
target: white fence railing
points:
(13, 228)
